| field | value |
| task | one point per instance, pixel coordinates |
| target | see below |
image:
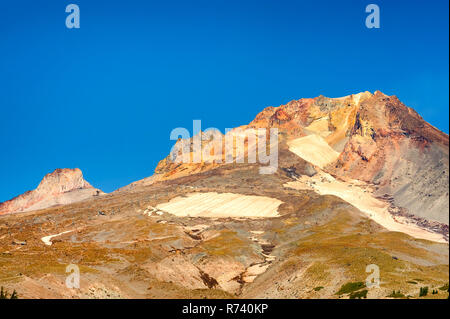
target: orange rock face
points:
(62, 186)
(379, 140)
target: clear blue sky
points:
(105, 97)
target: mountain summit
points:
(62, 186)
(372, 138)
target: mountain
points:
(373, 138)
(61, 187)
(338, 187)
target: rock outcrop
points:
(63, 186)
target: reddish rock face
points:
(380, 141)
(63, 180)
(62, 186)
(391, 146)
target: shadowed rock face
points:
(391, 146)
(63, 186)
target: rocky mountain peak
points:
(63, 180)
(62, 186)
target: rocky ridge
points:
(62, 186)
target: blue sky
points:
(105, 97)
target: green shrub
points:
(444, 287)
(318, 288)
(350, 287)
(359, 294)
(395, 294)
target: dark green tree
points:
(4, 294)
(423, 291)
(14, 295)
